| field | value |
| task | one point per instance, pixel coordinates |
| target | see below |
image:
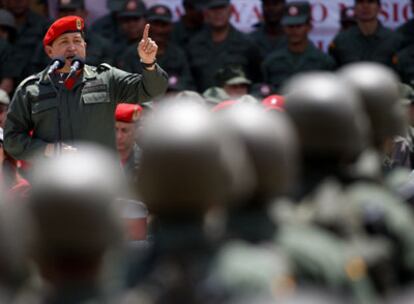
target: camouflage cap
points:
(296, 13)
(160, 13)
(197, 4)
(7, 19)
(215, 95)
(232, 75)
(71, 4)
(216, 3)
(4, 97)
(133, 9)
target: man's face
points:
(236, 90)
(125, 135)
(133, 27)
(68, 46)
(193, 14)
(218, 17)
(17, 7)
(3, 113)
(273, 10)
(297, 33)
(161, 31)
(366, 10)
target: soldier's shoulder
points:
(103, 67)
(275, 55)
(346, 35)
(29, 80)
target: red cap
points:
(61, 26)
(224, 105)
(127, 112)
(274, 102)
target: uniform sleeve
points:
(17, 140)
(137, 88)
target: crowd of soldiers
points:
(248, 181)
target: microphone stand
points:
(58, 141)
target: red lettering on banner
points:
(178, 12)
(406, 11)
(384, 13)
(235, 13)
(257, 12)
(322, 10)
(395, 12)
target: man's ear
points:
(49, 51)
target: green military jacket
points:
(407, 30)
(207, 57)
(85, 113)
(352, 46)
(282, 64)
(174, 61)
(181, 34)
(266, 43)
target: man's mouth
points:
(70, 57)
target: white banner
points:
(325, 15)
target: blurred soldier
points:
(299, 55)
(219, 45)
(183, 173)
(269, 34)
(67, 104)
(407, 29)
(233, 81)
(132, 20)
(7, 37)
(172, 58)
(347, 18)
(15, 232)
(126, 131)
(4, 105)
(190, 24)
(75, 225)
(368, 41)
(271, 144)
(31, 28)
(99, 49)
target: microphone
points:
(57, 63)
(77, 64)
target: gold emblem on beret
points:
(78, 24)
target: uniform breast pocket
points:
(43, 106)
(95, 98)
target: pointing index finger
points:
(146, 31)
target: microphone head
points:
(79, 60)
(60, 60)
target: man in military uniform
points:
(402, 62)
(407, 29)
(190, 24)
(220, 44)
(299, 55)
(98, 48)
(269, 34)
(131, 20)
(170, 56)
(126, 131)
(31, 27)
(8, 30)
(60, 110)
(368, 41)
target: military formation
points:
(144, 160)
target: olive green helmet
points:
(183, 169)
(378, 87)
(327, 115)
(271, 144)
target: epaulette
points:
(103, 67)
(28, 80)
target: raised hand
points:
(147, 48)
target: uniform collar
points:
(378, 32)
(89, 73)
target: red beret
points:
(61, 26)
(127, 112)
(224, 105)
(274, 102)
